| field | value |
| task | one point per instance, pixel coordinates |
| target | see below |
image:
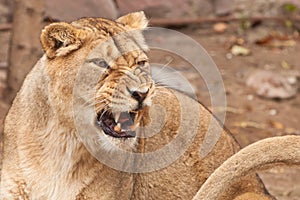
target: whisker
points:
(167, 73)
(157, 84)
(92, 98)
(102, 108)
(161, 86)
(165, 80)
(165, 65)
(92, 102)
(103, 113)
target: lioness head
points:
(117, 49)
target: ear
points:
(136, 20)
(59, 39)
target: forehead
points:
(112, 40)
(122, 45)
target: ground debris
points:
(227, 109)
(276, 124)
(248, 124)
(285, 65)
(276, 40)
(220, 27)
(238, 50)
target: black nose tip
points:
(139, 96)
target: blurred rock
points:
(174, 8)
(155, 8)
(223, 7)
(271, 85)
(72, 10)
(201, 8)
(5, 11)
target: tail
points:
(262, 154)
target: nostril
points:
(139, 96)
(136, 95)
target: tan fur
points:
(44, 157)
(260, 155)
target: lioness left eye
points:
(100, 63)
(141, 63)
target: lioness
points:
(44, 153)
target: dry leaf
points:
(240, 51)
(285, 65)
(228, 109)
(220, 27)
(276, 125)
(246, 124)
(276, 40)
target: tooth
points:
(123, 130)
(117, 128)
(134, 126)
(117, 116)
(139, 117)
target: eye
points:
(100, 62)
(142, 62)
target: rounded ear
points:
(59, 39)
(136, 20)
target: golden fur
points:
(44, 157)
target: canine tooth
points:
(139, 117)
(117, 127)
(117, 116)
(133, 127)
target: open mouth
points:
(119, 124)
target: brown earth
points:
(249, 117)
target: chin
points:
(110, 144)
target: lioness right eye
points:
(100, 62)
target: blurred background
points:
(254, 43)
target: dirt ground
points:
(249, 117)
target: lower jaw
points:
(132, 134)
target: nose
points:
(139, 96)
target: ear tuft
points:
(136, 20)
(59, 39)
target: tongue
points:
(124, 116)
(125, 121)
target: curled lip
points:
(118, 124)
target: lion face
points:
(124, 89)
(117, 48)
